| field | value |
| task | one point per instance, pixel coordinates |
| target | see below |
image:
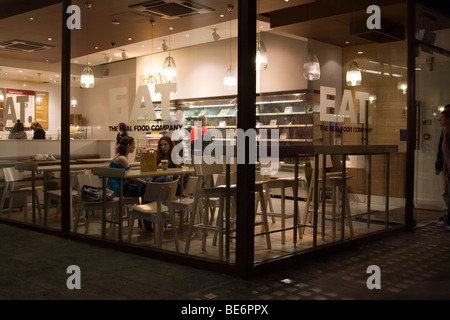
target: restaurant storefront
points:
(320, 129)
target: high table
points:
(46, 170)
(122, 174)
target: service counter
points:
(25, 149)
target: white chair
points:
(184, 205)
(158, 195)
(15, 188)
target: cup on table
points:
(164, 164)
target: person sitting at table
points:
(18, 131)
(164, 152)
(131, 188)
(39, 132)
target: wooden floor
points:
(278, 249)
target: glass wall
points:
(327, 146)
(432, 63)
(30, 115)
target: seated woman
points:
(39, 132)
(18, 131)
(164, 152)
(131, 188)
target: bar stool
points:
(335, 183)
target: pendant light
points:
(311, 67)
(353, 76)
(39, 98)
(87, 75)
(151, 79)
(2, 95)
(261, 52)
(229, 81)
(402, 84)
(73, 101)
(169, 67)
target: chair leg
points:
(130, 227)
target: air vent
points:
(389, 32)
(24, 46)
(171, 9)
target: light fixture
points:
(87, 75)
(151, 79)
(73, 102)
(402, 85)
(108, 58)
(169, 70)
(311, 66)
(124, 55)
(215, 35)
(2, 95)
(39, 98)
(353, 76)
(261, 52)
(229, 81)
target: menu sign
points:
(26, 106)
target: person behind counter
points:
(131, 188)
(39, 132)
(123, 132)
(18, 131)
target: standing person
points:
(123, 132)
(444, 121)
(39, 132)
(177, 135)
(438, 166)
(18, 131)
(200, 132)
(131, 188)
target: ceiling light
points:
(73, 102)
(116, 22)
(87, 78)
(124, 55)
(229, 81)
(353, 76)
(215, 35)
(311, 67)
(87, 75)
(169, 70)
(108, 58)
(39, 98)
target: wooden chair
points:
(55, 195)
(85, 206)
(158, 195)
(16, 189)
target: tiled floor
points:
(413, 266)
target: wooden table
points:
(46, 170)
(93, 160)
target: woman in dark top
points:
(122, 133)
(39, 132)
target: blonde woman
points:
(39, 132)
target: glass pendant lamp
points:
(87, 75)
(230, 81)
(2, 95)
(311, 67)
(353, 76)
(261, 56)
(87, 78)
(169, 70)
